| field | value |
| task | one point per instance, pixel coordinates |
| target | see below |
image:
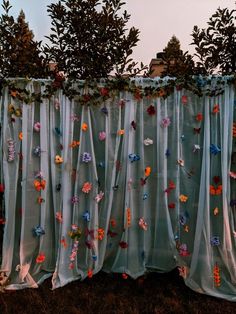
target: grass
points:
(110, 293)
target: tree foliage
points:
(89, 38)
(19, 53)
(177, 62)
(216, 46)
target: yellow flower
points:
(183, 198)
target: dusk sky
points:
(157, 20)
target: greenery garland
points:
(95, 92)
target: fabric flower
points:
(196, 148)
(215, 241)
(90, 273)
(215, 190)
(20, 136)
(199, 117)
(216, 211)
(148, 141)
(86, 157)
(100, 234)
(58, 159)
(165, 122)
(38, 231)
(74, 144)
(184, 99)
(59, 217)
(145, 196)
(75, 199)
(37, 126)
(39, 185)
(40, 200)
(86, 216)
(216, 109)
(134, 157)
(134, 125)
(99, 197)
(40, 258)
(151, 110)
(197, 130)
(142, 224)
(215, 149)
(121, 132)
(180, 162)
(232, 174)
(37, 151)
(56, 104)
(75, 232)
(87, 186)
(84, 127)
(104, 110)
(148, 171)
(102, 136)
(121, 103)
(183, 198)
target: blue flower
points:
(134, 157)
(38, 231)
(215, 149)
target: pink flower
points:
(87, 187)
(37, 126)
(165, 122)
(102, 136)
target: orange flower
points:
(84, 127)
(199, 116)
(101, 233)
(148, 171)
(128, 217)
(87, 187)
(215, 190)
(74, 144)
(58, 159)
(39, 185)
(20, 136)
(40, 258)
(121, 132)
(183, 198)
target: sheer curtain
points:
(131, 185)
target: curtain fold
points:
(131, 185)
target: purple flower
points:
(86, 157)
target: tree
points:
(20, 55)
(216, 46)
(177, 62)
(89, 38)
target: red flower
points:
(184, 100)
(123, 244)
(151, 110)
(171, 205)
(104, 92)
(216, 179)
(40, 258)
